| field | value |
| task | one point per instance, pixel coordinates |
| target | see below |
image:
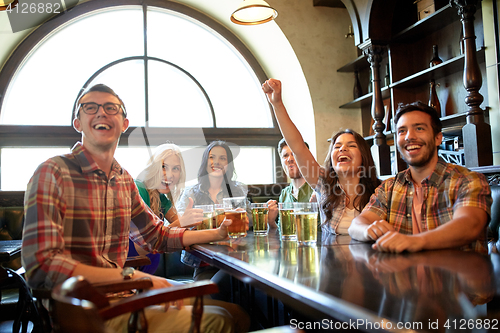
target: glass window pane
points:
(175, 100)
(43, 92)
(134, 159)
(231, 84)
(254, 165)
(127, 80)
(19, 164)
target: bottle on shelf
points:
(435, 57)
(433, 98)
(357, 91)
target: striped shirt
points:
(448, 188)
(75, 214)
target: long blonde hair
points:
(152, 175)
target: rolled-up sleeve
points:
(149, 232)
(378, 200)
(474, 191)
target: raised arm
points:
(308, 165)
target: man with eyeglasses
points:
(81, 207)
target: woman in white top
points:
(348, 178)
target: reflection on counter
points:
(428, 287)
(288, 262)
(417, 289)
(308, 266)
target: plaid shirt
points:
(330, 226)
(75, 214)
(448, 188)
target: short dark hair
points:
(283, 143)
(436, 124)
(99, 88)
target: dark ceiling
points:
(329, 3)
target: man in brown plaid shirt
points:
(430, 205)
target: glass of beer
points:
(287, 220)
(306, 222)
(259, 214)
(208, 214)
(219, 214)
(235, 210)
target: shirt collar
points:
(88, 164)
(436, 176)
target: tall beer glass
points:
(259, 214)
(208, 214)
(235, 209)
(219, 214)
(287, 220)
(306, 222)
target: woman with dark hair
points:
(215, 182)
(344, 184)
(215, 178)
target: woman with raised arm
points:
(348, 178)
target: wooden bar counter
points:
(345, 284)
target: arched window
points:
(182, 76)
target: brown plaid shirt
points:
(448, 188)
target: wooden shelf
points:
(448, 67)
(388, 135)
(365, 100)
(422, 28)
(356, 65)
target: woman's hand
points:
(191, 217)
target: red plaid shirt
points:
(448, 188)
(75, 214)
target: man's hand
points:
(191, 217)
(272, 214)
(395, 242)
(158, 283)
(377, 229)
(222, 229)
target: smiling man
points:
(79, 208)
(297, 191)
(430, 205)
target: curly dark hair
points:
(331, 192)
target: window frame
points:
(66, 136)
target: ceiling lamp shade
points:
(251, 12)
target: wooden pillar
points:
(380, 150)
(476, 133)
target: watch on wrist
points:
(128, 273)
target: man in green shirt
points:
(297, 191)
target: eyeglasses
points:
(109, 108)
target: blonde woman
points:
(160, 185)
